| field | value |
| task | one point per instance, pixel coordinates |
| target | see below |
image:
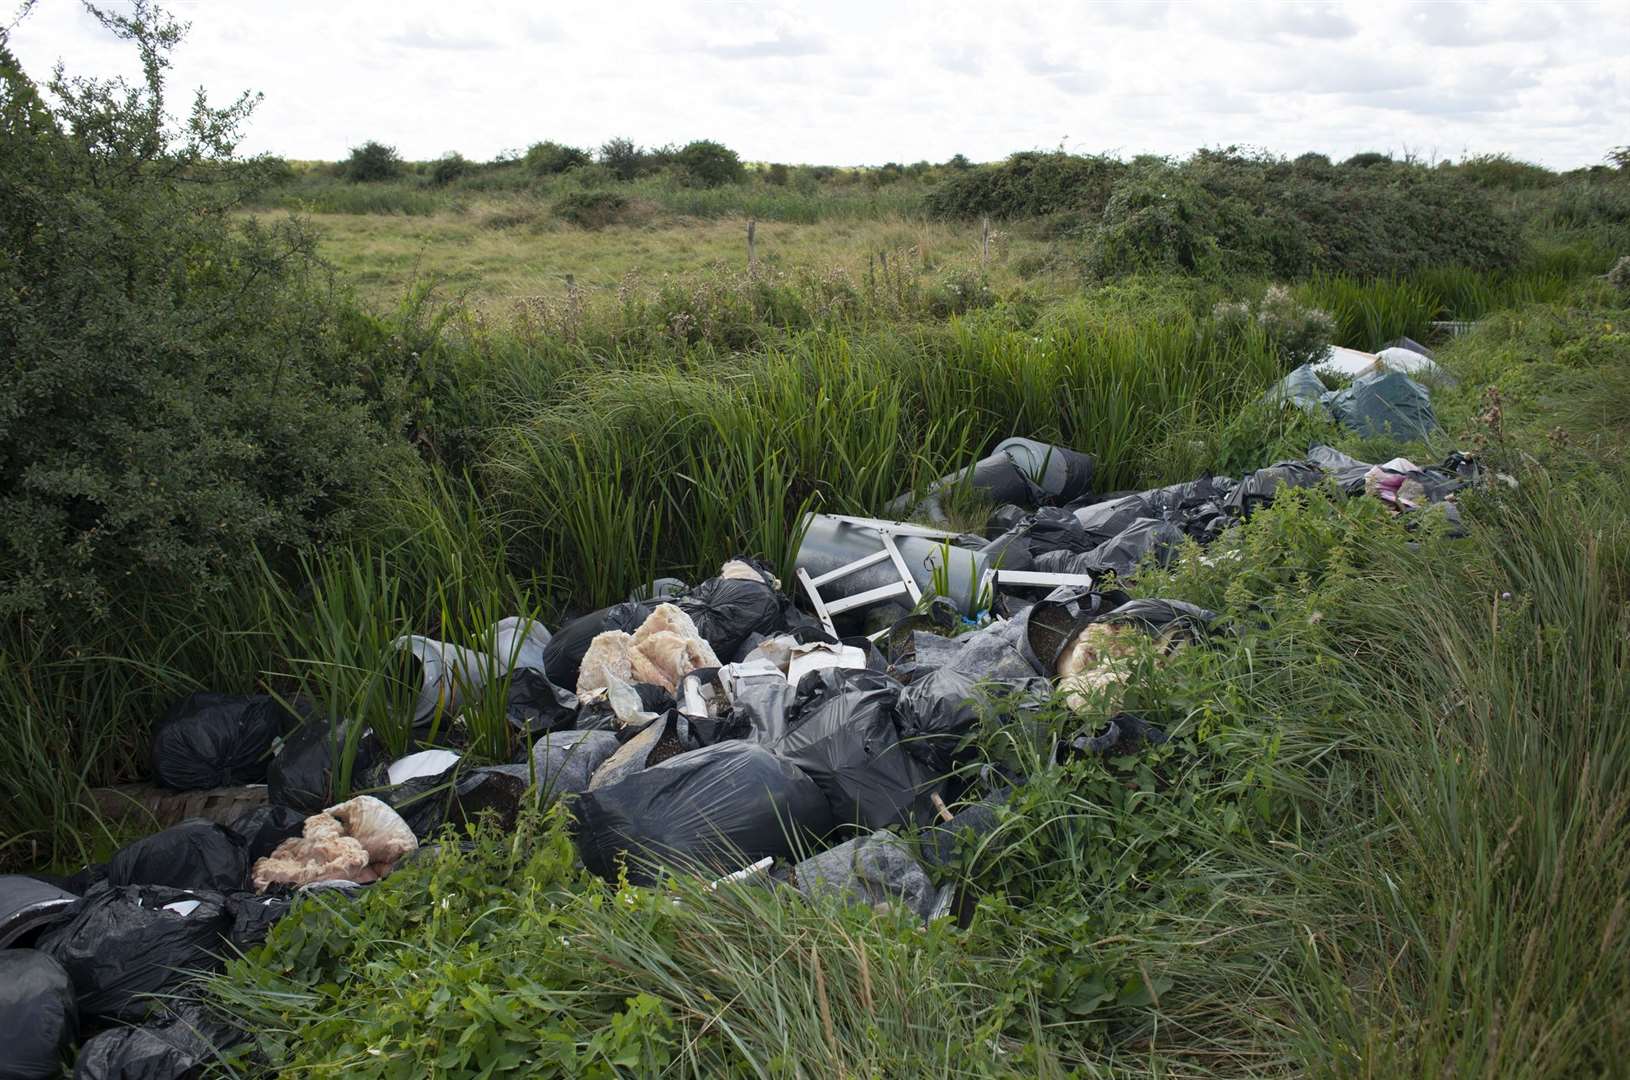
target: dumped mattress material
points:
(130, 942)
(210, 740)
(662, 650)
(714, 810)
(359, 840)
(195, 854)
(37, 1014)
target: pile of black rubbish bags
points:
(716, 728)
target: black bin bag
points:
(306, 772)
(841, 733)
(727, 611)
(137, 940)
(265, 827)
(712, 810)
(211, 740)
(38, 1018)
(173, 1048)
(196, 854)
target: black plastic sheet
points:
(715, 809)
(305, 774)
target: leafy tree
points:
(177, 397)
(705, 163)
(622, 157)
(552, 158)
(371, 162)
(447, 168)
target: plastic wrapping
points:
(38, 1018)
(875, 870)
(1385, 402)
(195, 854)
(211, 740)
(711, 810)
(125, 944)
(1018, 470)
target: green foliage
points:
(1368, 159)
(1156, 220)
(552, 158)
(707, 164)
(960, 292)
(372, 162)
(178, 402)
(1300, 333)
(1506, 173)
(1025, 185)
(591, 209)
(623, 158)
(447, 168)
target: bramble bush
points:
(177, 397)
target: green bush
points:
(1026, 185)
(372, 162)
(708, 164)
(625, 160)
(447, 168)
(552, 158)
(1157, 219)
(177, 400)
(960, 292)
(591, 209)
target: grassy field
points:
(493, 252)
(1386, 838)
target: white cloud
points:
(856, 81)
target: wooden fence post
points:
(752, 253)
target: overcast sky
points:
(869, 81)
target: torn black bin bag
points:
(563, 656)
(1257, 489)
(211, 740)
(841, 732)
(712, 810)
(132, 941)
(303, 774)
(1120, 554)
(195, 854)
(727, 611)
(535, 705)
(1156, 616)
(175, 1047)
(38, 1018)
(1105, 520)
(29, 906)
(265, 827)
(457, 795)
(941, 844)
(938, 711)
(1122, 736)
(253, 916)
(1347, 472)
